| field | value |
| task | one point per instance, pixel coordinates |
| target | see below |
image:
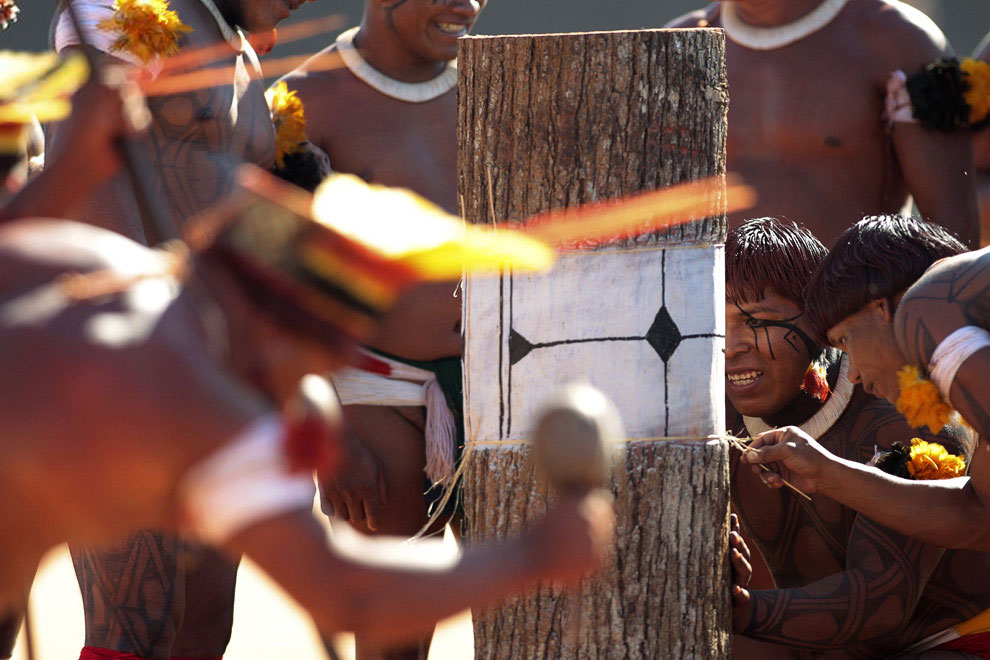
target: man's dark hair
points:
(767, 255)
(878, 257)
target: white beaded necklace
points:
(771, 38)
(827, 415)
(396, 89)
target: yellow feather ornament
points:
(977, 94)
(920, 401)
(930, 460)
(289, 118)
(147, 28)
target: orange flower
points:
(920, 401)
(930, 460)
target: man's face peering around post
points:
(766, 353)
(867, 337)
(429, 29)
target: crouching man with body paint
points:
(845, 585)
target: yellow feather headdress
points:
(146, 28)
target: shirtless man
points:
(387, 113)
(889, 294)
(116, 416)
(806, 122)
(135, 595)
(844, 584)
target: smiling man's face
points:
(765, 358)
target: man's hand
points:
(742, 571)
(571, 540)
(792, 455)
(358, 493)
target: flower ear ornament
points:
(296, 159)
(922, 461)
(946, 95)
(8, 13)
(146, 28)
(815, 382)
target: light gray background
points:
(964, 21)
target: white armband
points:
(244, 482)
(952, 352)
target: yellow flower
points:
(147, 28)
(920, 401)
(978, 93)
(289, 117)
(930, 460)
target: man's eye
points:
(754, 323)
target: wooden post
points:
(553, 121)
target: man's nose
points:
(736, 343)
(854, 376)
(466, 8)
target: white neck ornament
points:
(778, 36)
(827, 415)
(396, 89)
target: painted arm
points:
(867, 605)
(387, 602)
(938, 167)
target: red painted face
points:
(430, 29)
(765, 363)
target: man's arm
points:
(951, 513)
(937, 167)
(867, 605)
(388, 603)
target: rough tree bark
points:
(553, 121)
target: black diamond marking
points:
(519, 346)
(663, 335)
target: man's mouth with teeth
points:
(456, 29)
(744, 379)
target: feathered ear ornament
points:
(8, 13)
(815, 382)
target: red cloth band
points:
(977, 644)
(93, 653)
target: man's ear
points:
(885, 308)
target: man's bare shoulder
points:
(902, 36)
(695, 18)
(321, 77)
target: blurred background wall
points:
(964, 21)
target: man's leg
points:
(10, 625)
(396, 435)
(133, 594)
(209, 613)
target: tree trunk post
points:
(554, 121)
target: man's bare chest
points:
(414, 149)
(807, 109)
